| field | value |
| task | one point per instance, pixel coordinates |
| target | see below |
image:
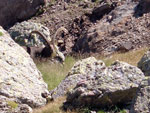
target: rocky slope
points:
(99, 27)
(124, 28)
(95, 27)
(64, 13)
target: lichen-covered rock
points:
(144, 63)
(20, 33)
(101, 86)
(10, 106)
(141, 103)
(12, 11)
(91, 83)
(20, 80)
(78, 73)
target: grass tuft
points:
(12, 104)
(53, 107)
(54, 73)
(132, 57)
(1, 34)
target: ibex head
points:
(53, 44)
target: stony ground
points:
(125, 28)
(67, 14)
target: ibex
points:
(51, 48)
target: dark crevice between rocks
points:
(4, 94)
(100, 11)
(142, 8)
(115, 101)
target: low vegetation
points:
(54, 73)
(1, 34)
(12, 104)
(53, 107)
(131, 57)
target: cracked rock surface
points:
(141, 103)
(20, 80)
(91, 83)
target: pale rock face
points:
(19, 78)
(91, 83)
(107, 86)
(77, 74)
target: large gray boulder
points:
(141, 103)
(12, 11)
(99, 86)
(91, 83)
(76, 74)
(20, 33)
(144, 63)
(20, 80)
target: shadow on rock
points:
(142, 7)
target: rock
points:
(141, 102)
(14, 11)
(144, 63)
(81, 68)
(99, 86)
(10, 106)
(101, 10)
(125, 46)
(91, 83)
(23, 108)
(20, 79)
(20, 33)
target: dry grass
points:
(54, 73)
(53, 107)
(131, 57)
